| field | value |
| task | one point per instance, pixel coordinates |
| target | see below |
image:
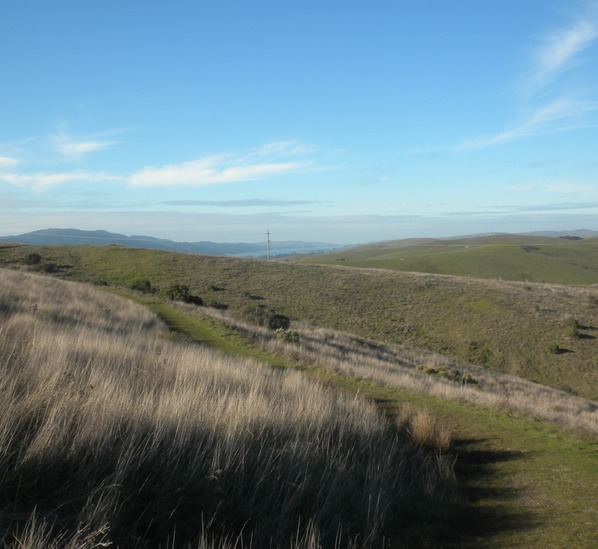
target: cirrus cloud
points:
(43, 181)
(225, 168)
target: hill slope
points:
(507, 257)
(545, 333)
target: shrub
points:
(288, 336)
(143, 286)
(277, 321)
(50, 268)
(571, 327)
(179, 292)
(32, 259)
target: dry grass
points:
(425, 372)
(112, 435)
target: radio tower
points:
(268, 243)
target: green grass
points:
(517, 328)
(533, 259)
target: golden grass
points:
(424, 372)
(112, 434)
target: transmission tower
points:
(268, 243)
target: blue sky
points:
(344, 122)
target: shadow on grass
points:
(486, 505)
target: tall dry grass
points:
(424, 372)
(111, 435)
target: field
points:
(545, 333)
(419, 364)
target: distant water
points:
(278, 252)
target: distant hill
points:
(73, 237)
(559, 257)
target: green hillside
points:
(542, 332)
(508, 257)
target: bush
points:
(50, 268)
(277, 321)
(32, 259)
(143, 286)
(288, 336)
(179, 292)
(571, 327)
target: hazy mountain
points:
(52, 237)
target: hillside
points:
(544, 333)
(522, 258)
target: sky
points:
(334, 121)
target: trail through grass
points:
(522, 483)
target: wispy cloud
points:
(560, 51)
(72, 147)
(8, 162)
(561, 187)
(286, 148)
(249, 203)
(44, 181)
(570, 187)
(558, 116)
(552, 108)
(226, 168)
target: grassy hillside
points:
(112, 435)
(506, 257)
(545, 333)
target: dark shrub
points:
(32, 259)
(143, 286)
(277, 321)
(177, 292)
(194, 300)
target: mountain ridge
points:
(69, 236)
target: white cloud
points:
(560, 51)
(8, 162)
(74, 148)
(569, 187)
(219, 169)
(286, 148)
(560, 115)
(43, 181)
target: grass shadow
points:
(485, 509)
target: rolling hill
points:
(531, 258)
(542, 332)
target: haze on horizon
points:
(345, 123)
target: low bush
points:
(288, 336)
